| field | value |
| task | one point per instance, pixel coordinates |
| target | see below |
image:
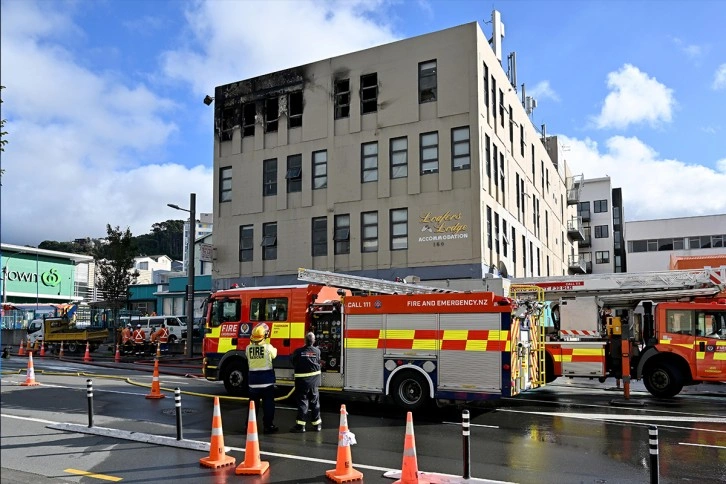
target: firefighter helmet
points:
(259, 333)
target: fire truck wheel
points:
(662, 379)
(235, 379)
(410, 390)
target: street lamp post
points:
(190, 270)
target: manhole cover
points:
(172, 411)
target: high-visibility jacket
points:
(164, 335)
(125, 335)
(139, 336)
(259, 362)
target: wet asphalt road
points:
(566, 432)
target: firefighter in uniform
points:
(261, 376)
(139, 339)
(126, 338)
(306, 362)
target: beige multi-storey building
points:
(412, 158)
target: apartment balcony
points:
(575, 230)
(586, 241)
(574, 187)
(576, 264)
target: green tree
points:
(115, 266)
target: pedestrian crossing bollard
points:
(653, 447)
(177, 404)
(89, 394)
(466, 434)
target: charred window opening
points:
(294, 173)
(369, 93)
(295, 109)
(249, 112)
(228, 123)
(342, 98)
(427, 81)
(272, 113)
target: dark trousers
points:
(267, 395)
(308, 398)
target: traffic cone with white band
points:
(252, 464)
(217, 457)
(344, 471)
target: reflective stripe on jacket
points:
(306, 361)
(259, 361)
(164, 336)
(125, 335)
(139, 336)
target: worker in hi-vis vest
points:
(261, 375)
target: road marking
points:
(633, 418)
(95, 476)
(29, 419)
(703, 445)
(473, 425)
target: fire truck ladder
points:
(346, 281)
(519, 292)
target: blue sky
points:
(106, 122)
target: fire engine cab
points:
(412, 343)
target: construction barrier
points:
(252, 464)
(217, 457)
(344, 471)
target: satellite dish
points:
(502, 267)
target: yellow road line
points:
(95, 476)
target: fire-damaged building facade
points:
(414, 158)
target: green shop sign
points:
(43, 276)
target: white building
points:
(203, 227)
(601, 212)
(152, 269)
(416, 157)
(651, 243)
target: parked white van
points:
(175, 324)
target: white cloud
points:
(694, 51)
(719, 78)
(653, 187)
(635, 98)
(79, 140)
(230, 41)
(542, 90)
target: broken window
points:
(228, 123)
(342, 98)
(369, 93)
(295, 109)
(427, 81)
(294, 173)
(249, 111)
(272, 112)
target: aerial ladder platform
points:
(628, 288)
(368, 284)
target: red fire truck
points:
(674, 323)
(415, 344)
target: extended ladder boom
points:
(346, 281)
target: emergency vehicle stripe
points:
(297, 330)
(462, 340)
(669, 342)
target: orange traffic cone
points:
(155, 389)
(21, 350)
(30, 347)
(158, 349)
(217, 457)
(409, 469)
(87, 356)
(60, 352)
(344, 471)
(42, 349)
(117, 358)
(30, 374)
(252, 464)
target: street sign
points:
(205, 252)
